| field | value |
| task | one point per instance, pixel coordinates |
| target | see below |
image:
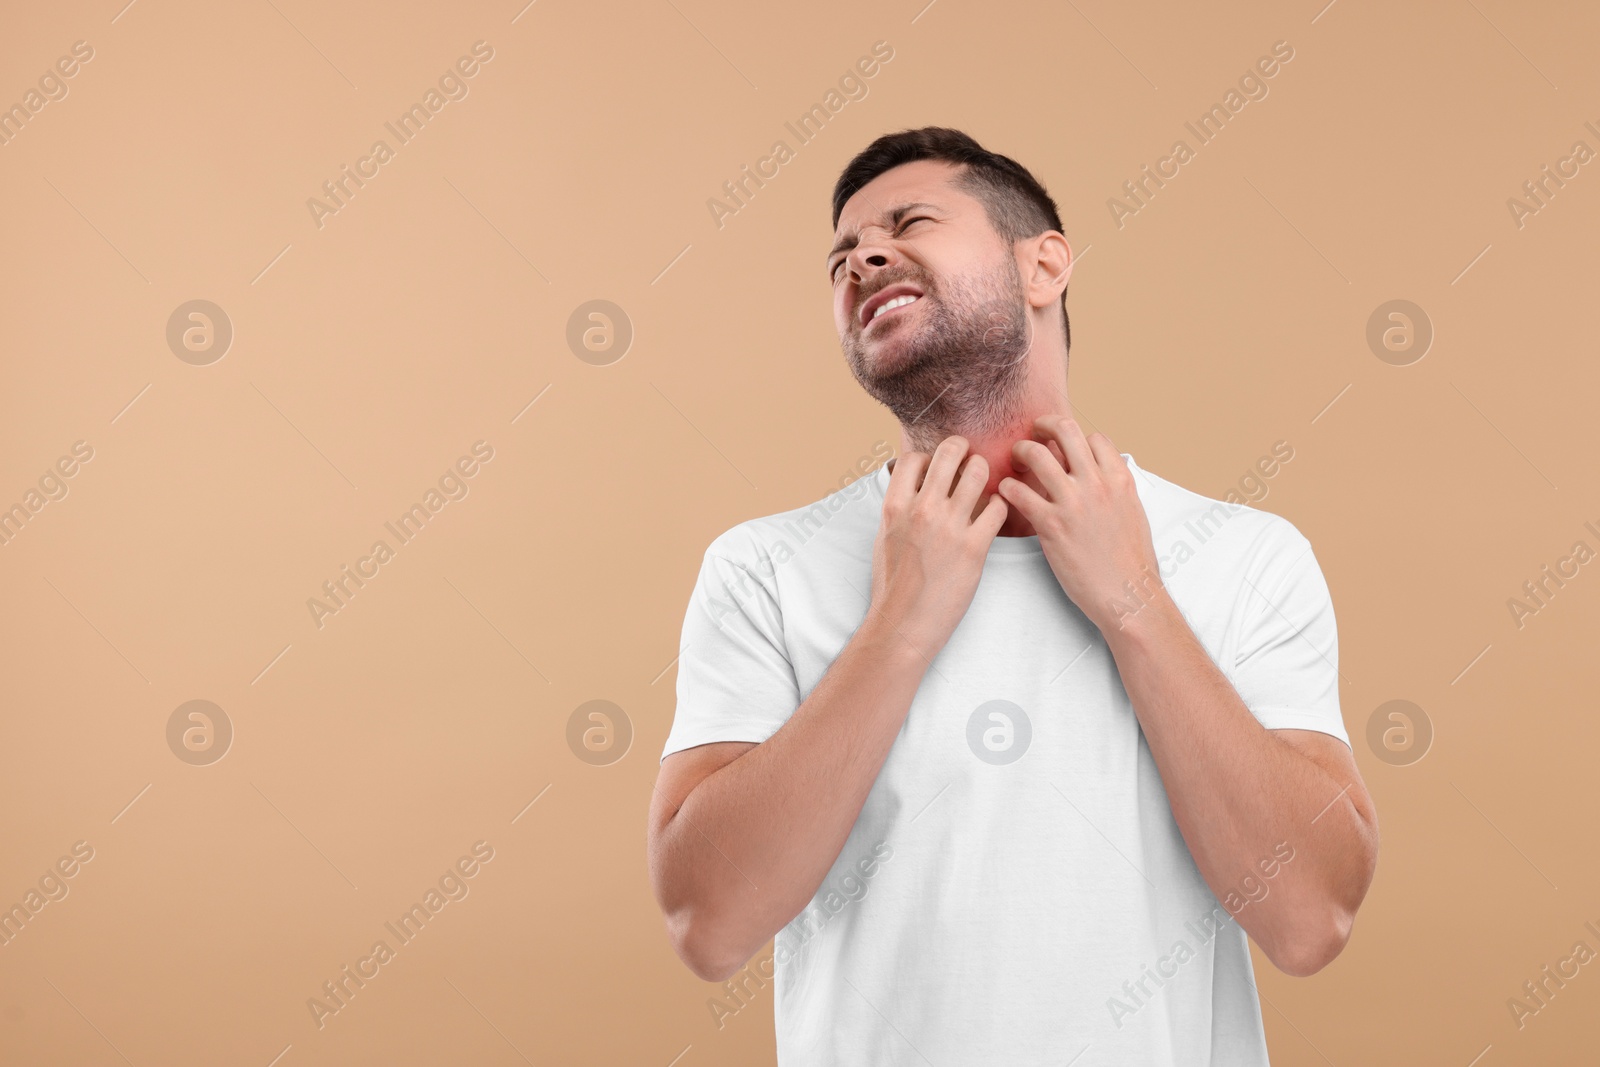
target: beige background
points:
(370, 353)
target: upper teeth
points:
(899, 301)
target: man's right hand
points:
(731, 817)
(930, 548)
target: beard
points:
(962, 369)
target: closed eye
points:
(834, 272)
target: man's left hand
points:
(1090, 521)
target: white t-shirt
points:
(1016, 890)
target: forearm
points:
(1237, 792)
(754, 840)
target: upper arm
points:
(682, 771)
(1286, 664)
(735, 679)
(1335, 757)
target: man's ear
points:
(1049, 266)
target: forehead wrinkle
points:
(849, 241)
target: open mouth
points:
(886, 308)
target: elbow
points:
(701, 947)
(1314, 945)
(1322, 935)
(701, 933)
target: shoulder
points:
(1234, 536)
(842, 518)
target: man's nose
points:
(873, 251)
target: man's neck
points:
(1044, 393)
(1043, 398)
(996, 448)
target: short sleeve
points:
(1286, 667)
(735, 681)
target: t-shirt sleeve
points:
(1286, 668)
(735, 680)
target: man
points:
(1012, 742)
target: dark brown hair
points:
(1016, 203)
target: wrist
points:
(893, 642)
(1145, 623)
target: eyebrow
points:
(849, 241)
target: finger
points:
(969, 486)
(942, 467)
(1021, 472)
(1038, 461)
(991, 518)
(1069, 435)
(1105, 453)
(905, 476)
(1024, 499)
